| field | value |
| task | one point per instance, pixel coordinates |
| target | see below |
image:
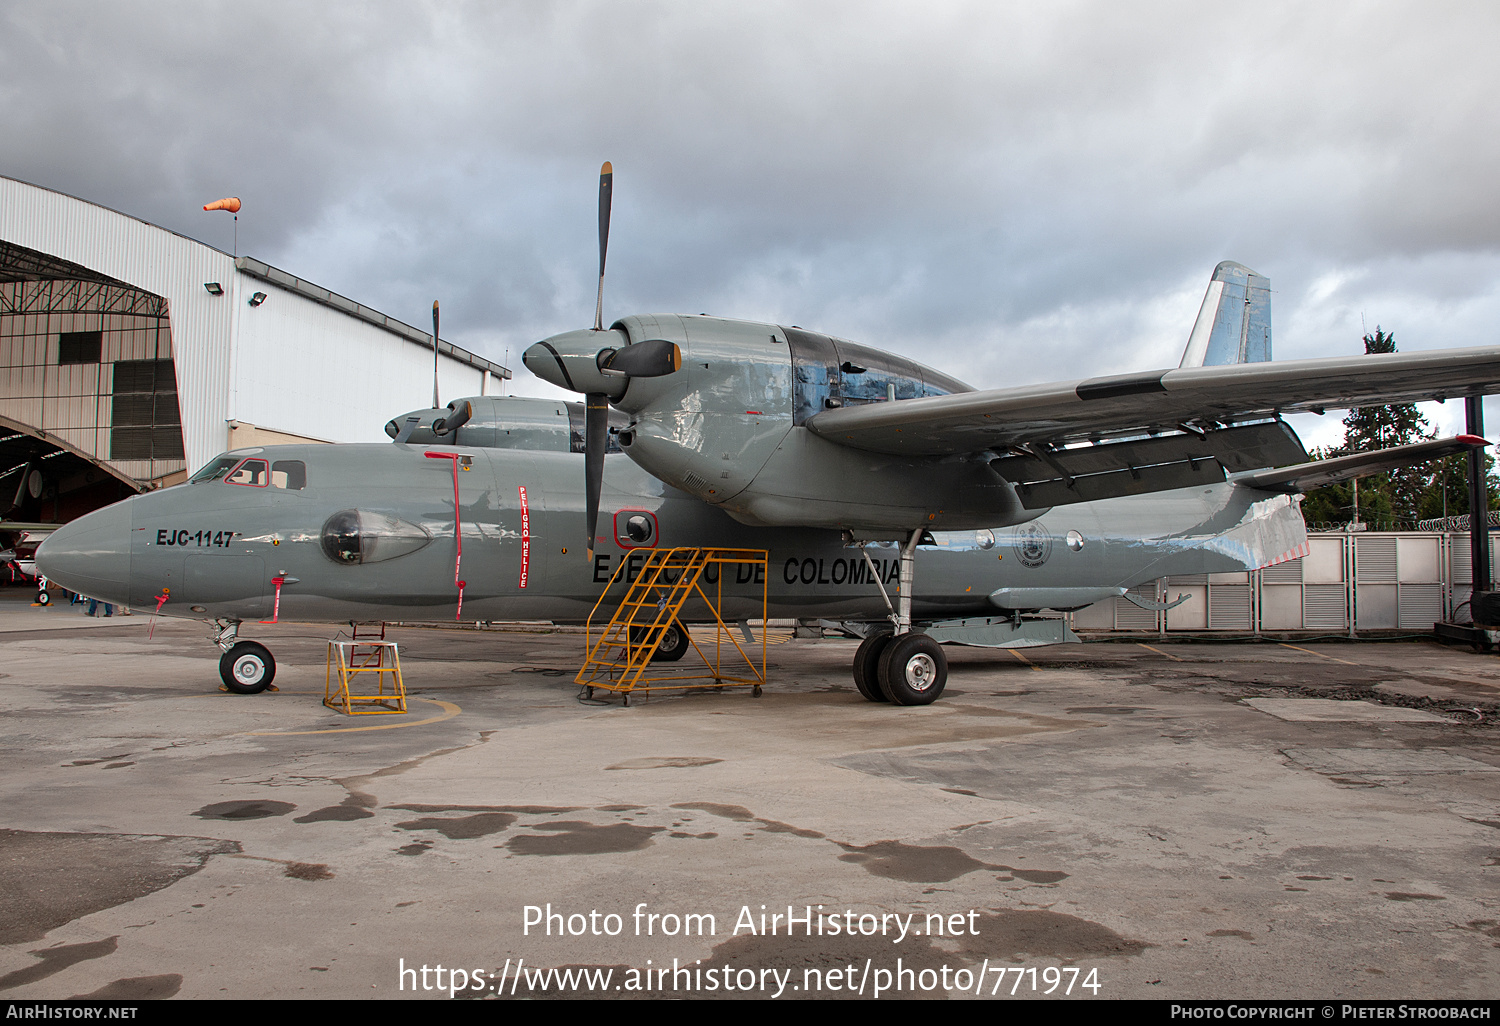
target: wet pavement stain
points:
(740, 814)
(308, 871)
(54, 878)
(664, 762)
(520, 810)
(913, 863)
(1241, 934)
(1413, 896)
(56, 959)
(415, 848)
(136, 988)
(463, 828)
(575, 837)
(1038, 932)
(244, 810)
(343, 813)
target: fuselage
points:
(367, 532)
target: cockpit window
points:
(217, 469)
(253, 473)
(290, 474)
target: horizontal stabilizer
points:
(1306, 476)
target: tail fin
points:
(1234, 323)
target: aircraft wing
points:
(1194, 399)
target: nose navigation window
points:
(359, 536)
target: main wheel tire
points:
(248, 668)
(674, 642)
(867, 666)
(913, 670)
(43, 599)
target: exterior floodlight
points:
(214, 288)
(257, 299)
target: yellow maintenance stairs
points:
(620, 651)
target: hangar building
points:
(130, 355)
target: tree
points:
(1385, 499)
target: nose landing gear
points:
(246, 667)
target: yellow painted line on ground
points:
(1320, 655)
(1023, 659)
(1169, 655)
(449, 711)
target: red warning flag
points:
(229, 203)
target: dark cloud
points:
(1013, 192)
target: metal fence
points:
(1347, 583)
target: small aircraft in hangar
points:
(892, 498)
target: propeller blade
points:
(652, 358)
(434, 353)
(606, 190)
(595, 439)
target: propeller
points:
(651, 358)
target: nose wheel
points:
(247, 668)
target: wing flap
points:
(1248, 447)
(1205, 470)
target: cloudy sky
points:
(1010, 192)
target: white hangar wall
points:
(306, 368)
(303, 362)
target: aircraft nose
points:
(91, 555)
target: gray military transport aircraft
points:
(893, 499)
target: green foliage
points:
(1403, 496)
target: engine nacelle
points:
(727, 426)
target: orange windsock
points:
(230, 203)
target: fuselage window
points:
(252, 473)
(290, 474)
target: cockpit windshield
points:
(218, 468)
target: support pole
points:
(1479, 514)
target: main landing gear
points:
(900, 665)
(246, 667)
